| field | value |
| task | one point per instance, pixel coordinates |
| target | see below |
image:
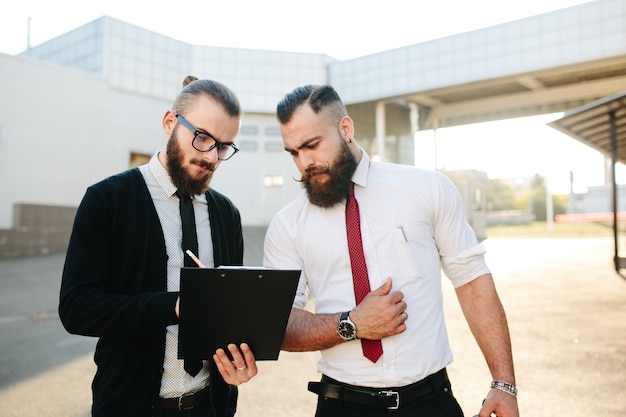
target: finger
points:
(395, 310)
(238, 361)
(249, 358)
(224, 366)
(242, 373)
(401, 322)
(222, 359)
(400, 306)
(384, 289)
(397, 297)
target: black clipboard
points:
(226, 305)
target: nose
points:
(304, 161)
(210, 156)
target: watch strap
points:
(504, 386)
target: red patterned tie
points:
(372, 349)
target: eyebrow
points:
(204, 132)
(303, 144)
(201, 130)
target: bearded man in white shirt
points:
(412, 224)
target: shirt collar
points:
(162, 176)
(360, 175)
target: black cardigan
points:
(114, 287)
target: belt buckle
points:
(390, 393)
(180, 403)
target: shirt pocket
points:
(405, 259)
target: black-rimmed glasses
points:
(205, 142)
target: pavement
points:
(565, 304)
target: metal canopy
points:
(591, 124)
(602, 125)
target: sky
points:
(515, 149)
(342, 29)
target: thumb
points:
(383, 289)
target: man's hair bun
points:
(189, 79)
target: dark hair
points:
(193, 87)
(189, 79)
(319, 97)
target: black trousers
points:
(441, 403)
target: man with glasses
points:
(122, 269)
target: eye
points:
(202, 138)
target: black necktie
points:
(190, 241)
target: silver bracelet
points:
(504, 386)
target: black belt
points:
(187, 401)
(386, 398)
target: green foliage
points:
(502, 196)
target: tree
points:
(500, 195)
(534, 199)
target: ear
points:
(168, 123)
(346, 127)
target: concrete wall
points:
(44, 230)
(39, 230)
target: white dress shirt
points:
(175, 381)
(413, 224)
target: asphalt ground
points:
(565, 304)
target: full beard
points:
(181, 178)
(335, 189)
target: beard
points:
(181, 178)
(335, 189)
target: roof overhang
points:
(593, 124)
(601, 124)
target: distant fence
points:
(588, 217)
(509, 217)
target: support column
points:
(619, 262)
(415, 116)
(435, 127)
(380, 130)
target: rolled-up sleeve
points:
(466, 266)
(462, 257)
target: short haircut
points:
(319, 97)
(193, 87)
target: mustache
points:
(204, 164)
(312, 171)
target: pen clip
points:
(403, 234)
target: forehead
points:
(206, 114)
(306, 124)
(203, 106)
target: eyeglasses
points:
(205, 142)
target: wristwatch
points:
(346, 328)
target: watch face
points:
(345, 330)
